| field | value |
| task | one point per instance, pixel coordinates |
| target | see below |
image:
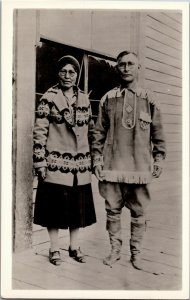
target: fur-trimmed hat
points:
(68, 59)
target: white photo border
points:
(6, 158)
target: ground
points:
(161, 254)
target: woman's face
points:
(67, 76)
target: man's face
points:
(67, 76)
(128, 67)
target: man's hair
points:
(123, 53)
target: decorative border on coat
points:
(140, 92)
(127, 177)
(67, 162)
(80, 115)
(39, 152)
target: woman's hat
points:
(68, 59)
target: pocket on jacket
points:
(144, 120)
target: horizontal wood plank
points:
(152, 43)
(157, 259)
(172, 128)
(163, 78)
(153, 22)
(168, 175)
(171, 109)
(158, 56)
(47, 280)
(170, 165)
(173, 147)
(161, 189)
(174, 156)
(171, 119)
(164, 88)
(175, 137)
(166, 180)
(169, 99)
(21, 285)
(175, 16)
(167, 20)
(162, 68)
(86, 273)
(162, 38)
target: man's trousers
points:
(136, 198)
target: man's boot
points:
(137, 233)
(113, 227)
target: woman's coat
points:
(61, 137)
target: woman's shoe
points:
(77, 255)
(55, 258)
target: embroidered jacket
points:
(128, 133)
(61, 137)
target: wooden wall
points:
(163, 74)
(99, 30)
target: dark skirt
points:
(59, 206)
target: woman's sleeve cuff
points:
(40, 164)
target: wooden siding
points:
(163, 74)
(97, 30)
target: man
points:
(127, 138)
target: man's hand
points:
(98, 173)
(157, 170)
(42, 172)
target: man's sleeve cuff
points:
(159, 159)
(98, 161)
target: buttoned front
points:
(61, 137)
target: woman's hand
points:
(42, 172)
(98, 173)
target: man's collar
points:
(135, 89)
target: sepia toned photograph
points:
(97, 153)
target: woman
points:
(62, 160)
